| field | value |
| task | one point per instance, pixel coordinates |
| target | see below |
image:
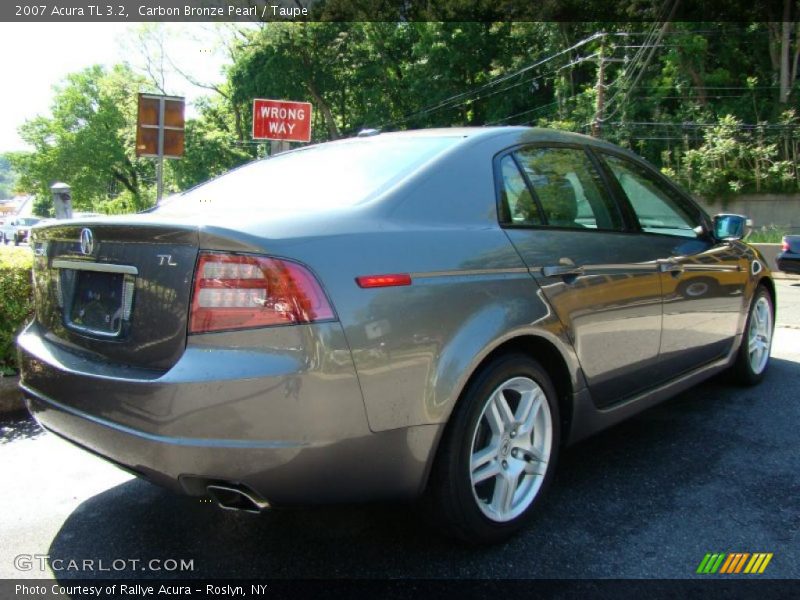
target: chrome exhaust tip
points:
(234, 498)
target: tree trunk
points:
(327, 115)
(786, 67)
(699, 85)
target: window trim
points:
(682, 198)
(504, 218)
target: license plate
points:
(97, 302)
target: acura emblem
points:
(87, 241)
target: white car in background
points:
(17, 229)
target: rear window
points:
(321, 177)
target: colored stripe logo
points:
(734, 562)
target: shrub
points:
(16, 302)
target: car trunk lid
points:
(116, 291)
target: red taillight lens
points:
(785, 245)
(233, 291)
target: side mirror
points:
(730, 227)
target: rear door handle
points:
(562, 271)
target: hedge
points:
(16, 302)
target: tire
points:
(752, 359)
(482, 456)
(16, 240)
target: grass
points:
(766, 235)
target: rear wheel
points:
(499, 452)
(753, 358)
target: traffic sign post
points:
(160, 131)
(281, 120)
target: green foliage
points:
(209, 150)
(732, 160)
(88, 141)
(703, 104)
(16, 301)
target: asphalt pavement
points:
(712, 470)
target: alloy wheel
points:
(759, 335)
(511, 448)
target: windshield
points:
(28, 221)
(318, 178)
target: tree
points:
(88, 142)
(784, 47)
(211, 147)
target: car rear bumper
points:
(288, 424)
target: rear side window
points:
(516, 196)
(658, 208)
(569, 189)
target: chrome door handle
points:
(562, 271)
(668, 266)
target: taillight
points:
(785, 245)
(236, 291)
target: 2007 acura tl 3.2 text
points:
(429, 313)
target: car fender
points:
(485, 333)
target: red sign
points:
(281, 120)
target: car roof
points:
(515, 133)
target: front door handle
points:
(562, 271)
(669, 266)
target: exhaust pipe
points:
(232, 498)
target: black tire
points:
(452, 502)
(16, 240)
(742, 369)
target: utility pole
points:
(600, 89)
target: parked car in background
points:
(431, 313)
(789, 258)
(17, 229)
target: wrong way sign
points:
(281, 120)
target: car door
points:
(703, 280)
(558, 212)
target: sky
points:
(36, 56)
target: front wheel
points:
(499, 452)
(753, 357)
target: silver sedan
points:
(431, 313)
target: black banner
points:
(578, 589)
(388, 10)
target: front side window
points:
(658, 208)
(569, 189)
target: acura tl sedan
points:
(429, 314)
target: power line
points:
(647, 60)
(445, 103)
